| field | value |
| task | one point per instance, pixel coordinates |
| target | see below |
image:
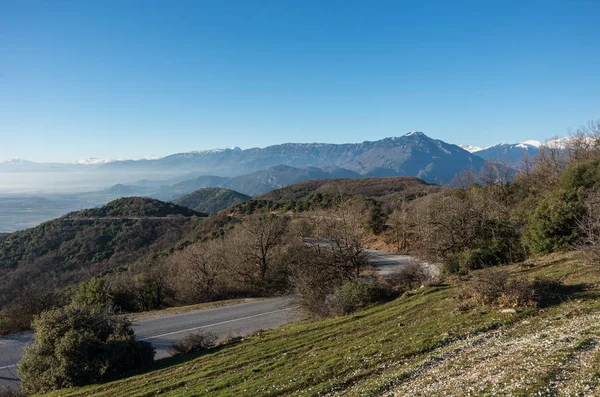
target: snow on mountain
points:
(16, 161)
(91, 161)
(531, 142)
(561, 143)
(470, 149)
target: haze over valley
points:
(31, 193)
(299, 198)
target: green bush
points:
(353, 295)
(75, 346)
(581, 175)
(551, 226)
(92, 293)
(496, 252)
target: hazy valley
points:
(31, 193)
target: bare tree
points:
(398, 225)
(254, 251)
(198, 272)
(588, 224)
(151, 287)
(326, 251)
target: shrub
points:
(552, 226)
(353, 295)
(75, 346)
(7, 392)
(473, 259)
(495, 287)
(407, 278)
(28, 302)
(92, 293)
(194, 343)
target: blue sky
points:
(127, 79)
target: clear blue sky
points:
(117, 79)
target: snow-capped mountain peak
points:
(412, 133)
(470, 148)
(17, 161)
(91, 161)
(533, 143)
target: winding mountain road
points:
(162, 332)
(235, 320)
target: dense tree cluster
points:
(500, 216)
(77, 345)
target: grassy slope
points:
(419, 344)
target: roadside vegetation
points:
(431, 341)
(488, 233)
(77, 345)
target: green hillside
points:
(133, 207)
(37, 263)
(211, 200)
(322, 194)
(427, 343)
(367, 187)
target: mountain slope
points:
(470, 148)
(211, 200)
(76, 246)
(413, 154)
(364, 187)
(510, 153)
(276, 177)
(135, 207)
(322, 194)
(188, 186)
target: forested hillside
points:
(323, 194)
(39, 262)
(211, 200)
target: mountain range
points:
(413, 154)
(510, 153)
(258, 170)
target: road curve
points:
(162, 332)
(235, 320)
(386, 263)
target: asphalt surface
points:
(11, 349)
(225, 322)
(229, 321)
(387, 263)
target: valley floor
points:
(422, 344)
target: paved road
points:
(387, 263)
(162, 332)
(235, 320)
(11, 349)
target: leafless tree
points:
(588, 224)
(198, 272)
(398, 225)
(254, 251)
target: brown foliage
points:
(194, 343)
(409, 277)
(495, 287)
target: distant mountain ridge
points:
(510, 153)
(413, 154)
